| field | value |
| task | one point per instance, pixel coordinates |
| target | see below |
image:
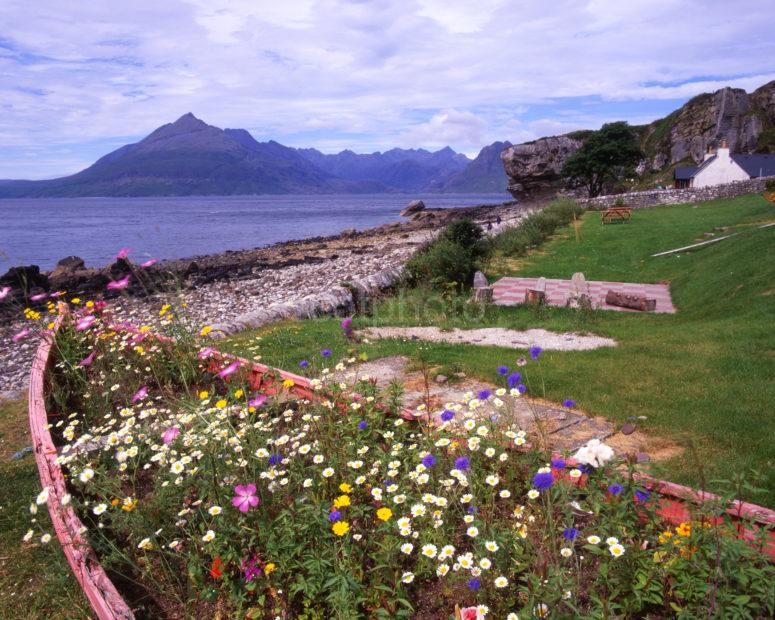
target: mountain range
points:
(190, 157)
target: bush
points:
(537, 227)
(452, 258)
(770, 185)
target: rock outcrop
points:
(534, 167)
(413, 207)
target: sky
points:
(83, 77)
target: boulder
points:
(70, 263)
(534, 167)
(413, 207)
(24, 278)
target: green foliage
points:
(770, 185)
(608, 156)
(452, 258)
(537, 227)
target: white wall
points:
(721, 170)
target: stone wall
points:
(656, 197)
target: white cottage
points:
(721, 167)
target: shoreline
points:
(272, 281)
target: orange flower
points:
(215, 571)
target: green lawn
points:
(704, 377)
(35, 580)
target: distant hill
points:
(484, 174)
(404, 170)
(190, 157)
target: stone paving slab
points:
(511, 291)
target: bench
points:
(622, 214)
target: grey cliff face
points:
(534, 167)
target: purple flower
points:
(543, 481)
(535, 352)
(513, 379)
(615, 489)
(169, 435)
(362, 425)
(346, 324)
(303, 363)
(484, 394)
(570, 533)
(569, 403)
(334, 516)
(251, 569)
(245, 497)
(229, 370)
(474, 584)
(257, 401)
(641, 495)
(462, 463)
(274, 459)
(503, 370)
(326, 353)
(521, 388)
(447, 415)
(429, 460)
(140, 394)
(84, 323)
(558, 464)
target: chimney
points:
(723, 149)
(710, 152)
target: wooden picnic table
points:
(623, 214)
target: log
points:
(623, 300)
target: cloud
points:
(367, 75)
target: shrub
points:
(537, 227)
(770, 185)
(452, 258)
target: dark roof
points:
(759, 165)
(685, 173)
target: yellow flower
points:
(129, 504)
(164, 309)
(206, 330)
(665, 536)
(289, 383)
(384, 514)
(140, 350)
(203, 394)
(220, 404)
(238, 394)
(345, 488)
(115, 502)
(342, 501)
(144, 329)
(51, 325)
(89, 304)
(269, 567)
(340, 528)
(684, 529)
(75, 300)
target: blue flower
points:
(503, 370)
(641, 495)
(521, 388)
(362, 425)
(447, 415)
(543, 481)
(535, 352)
(558, 464)
(474, 584)
(569, 403)
(484, 394)
(570, 533)
(274, 459)
(615, 489)
(429, 460)
(513, 379)
(334, 516)
(304, 363)
(462, 463)
(326, 353)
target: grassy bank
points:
(35, 580)
(704, 377)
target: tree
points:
(607, 156)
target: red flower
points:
(215, 571)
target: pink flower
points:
(38, 297)
(119, 284)
(229, 370)
(4, 292)
(86, 361)
(140, 394)
(22, 334)
(149, 263)
(471, 613)
(245, 497)
(257, 401)
(85, 323)
(169, 435)
(56, 294)
(206, 352)
(123, 253)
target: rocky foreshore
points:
(238, 289)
